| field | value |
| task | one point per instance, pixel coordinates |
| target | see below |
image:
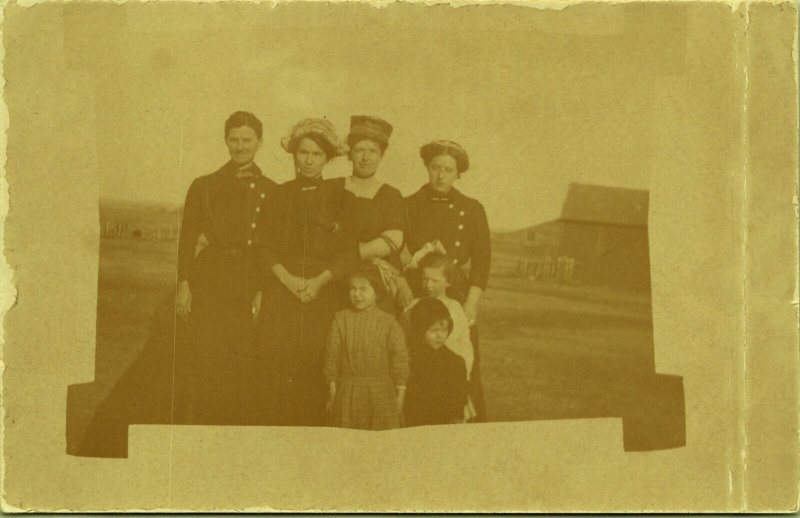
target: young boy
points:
(436, 271)
(437, 386)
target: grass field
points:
(548, 351)
(559, 352)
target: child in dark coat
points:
(437, 386)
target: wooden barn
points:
(599, 240)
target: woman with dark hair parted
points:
(441, 218)
(378, 216)
(308, 246)
(218, 292)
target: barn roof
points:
(608, 205)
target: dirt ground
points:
(548, 351)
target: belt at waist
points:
(372, 380)
(231, 249)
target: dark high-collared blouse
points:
(456, 220)
(371, 217)
(227, 207)
(307, 229)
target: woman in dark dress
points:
(442, 218)
(307, 247)
(378, 215)
(217, 373)
(202, 368)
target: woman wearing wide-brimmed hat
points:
(378, 216)
(307, 247)
(441, 218)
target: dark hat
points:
(445, 147)
(425, 313)
(368, 127)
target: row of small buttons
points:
(258, 209)
(460, 227)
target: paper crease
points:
(746, 279)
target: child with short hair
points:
(366, 359)
(437, 272)
(437, 386)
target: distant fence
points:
(552, 268)
(555, 268)
(115, 229)
(122, 230)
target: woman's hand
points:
(183, 300)
(438, 247)
(331, 397)
(427, 248)
(471, 304)
(294, 284)
(471, 311)
(311, 290)
(256, 306)
(291, 282)
(312, 286)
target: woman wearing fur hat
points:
(306, 248)
(443, 219)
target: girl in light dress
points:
(366, 359)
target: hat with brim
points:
(364, 127)
(322, 132)
(445, 147)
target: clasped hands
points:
(306, 290)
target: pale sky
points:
(537, 102)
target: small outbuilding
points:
(599, 240)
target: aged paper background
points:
(722, 164)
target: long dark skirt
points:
(475, 385)
(219, 373)
(206, 371)
(294, 336)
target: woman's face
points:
(243, 143)
(362, 294)
(442, 172)
(366, 156)
(309, 159)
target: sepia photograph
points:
(350, 245)
(343, 256)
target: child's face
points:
(434, 283)
(362, 294)
(436, 335)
